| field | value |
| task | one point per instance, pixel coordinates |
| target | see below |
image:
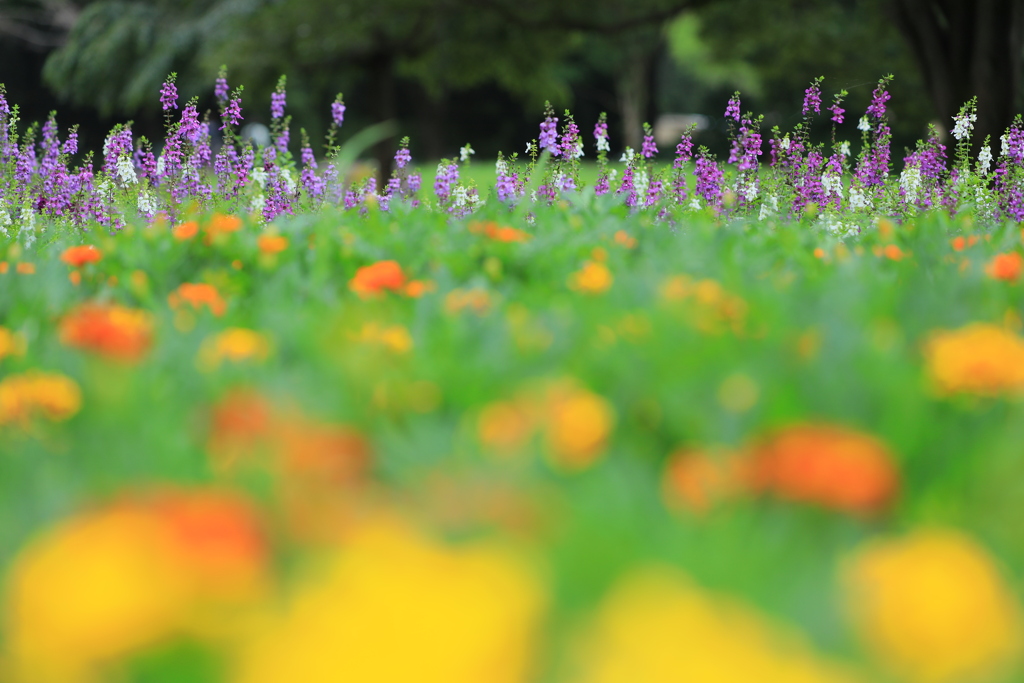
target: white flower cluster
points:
(844, 148)
(289, 181)
(769, 207)
(147, 203)
(641, 182)
(126, 170)
(627, 156)
(910, 183)
(857, 198)
(465, 152)
(747, 189)
(832, 183)
(984, 160)
(784, 143)
(28, 227)
(578, 152)
(259, 174)
(602, 144)
(964, 124)
(864, 124)
(5, 223)
(500, 166)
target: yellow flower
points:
(658, 627)
(593, 278)
(27, 395)
(11, 343)
(711, 307)
(235, 344)
(395, 338)
(476, 300)
(395, 607)
(932, 606)
(577, 425)
(979, 359)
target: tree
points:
(967, 48)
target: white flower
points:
(747, 190)
(529, 147)
(844, 148)
(857, 198)
(147, 203)
(832, 183)
(627, 156)
(964, 125)
(258, 202)
(984, 160)
(640, 182)
(579, 150)
(864, 124)
(602, 145)
(695, 203)
(465, 152)
(910, 183)
(160, 165)
(28, 227)
(612, 173)
(784, 143)
(126, 170)
(769, 207)
(1005, 140)
(289, 181)
(259, 174)
(5, 223)
(501, 167)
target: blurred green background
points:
(454, 71)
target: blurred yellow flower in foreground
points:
(33, 393)
(933, 606)
(979, 359)
(11, 343)
(235, 344)
(395, 607)
(593, 278)
(658, 627)
(105, 584)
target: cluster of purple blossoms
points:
(571, 147)
(447, 176)
(732, 110)
(233, 113)
(649, 149)
(837, 111)
(878, 99)
(277, 104)
(169, 94)
(812, 98)
(402, 157)
(549, 135)
(709, 180)
(338, 111)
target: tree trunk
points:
(382, 75)
(631, 88)
(966, 48)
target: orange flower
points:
(624, 239)
(198, 295)
(1005, 267)
(696, 480)
(578, 424)
(11, 343)
(33, 393)
(476, 300)
(4, 267)
(376, 278)
(981, 359)
(79, 256)
(25, 268)
(113, 331)
(414, 289)
(960, 243)
(221, 223)
(498, 233)
(235, 344)
(828, 465)
(893, 252)
(240, 425)
(593, 278)
(272, 244)
(505, 426)
(185, 231)
(322, 452)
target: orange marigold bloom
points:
(11, 343)
(79, 256)
(272, 244)
(577, 426)
(624, 239)
(498, 233)
(893, 252)
(828, 465)
(696, 480)
(505, 425)
(223, 223)
(414, 289)
(4, 267)
(1006, 267)
(198, 295)
(113, 331)
(185, 231)
(33, 393)
(241, 424)
(960, 242)
(325, 452)
(593, 278)
(476, 300)
(376, 278)
(978, 359)
(235, 344)
(25, 268)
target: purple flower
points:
(277, 102)
(601, 135)
(220, 89)
(549, 135)
(338, 111)
(169, 94)
(570, 137)
(447, 175)
(233, 113)
(414, 181)
(602, 186)
(653, 193)
(684, 151)
(878, 99)
(812, 98)
(649, 149)
(71, 144)
(709, 179)
(732, 110)
(402, 157)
